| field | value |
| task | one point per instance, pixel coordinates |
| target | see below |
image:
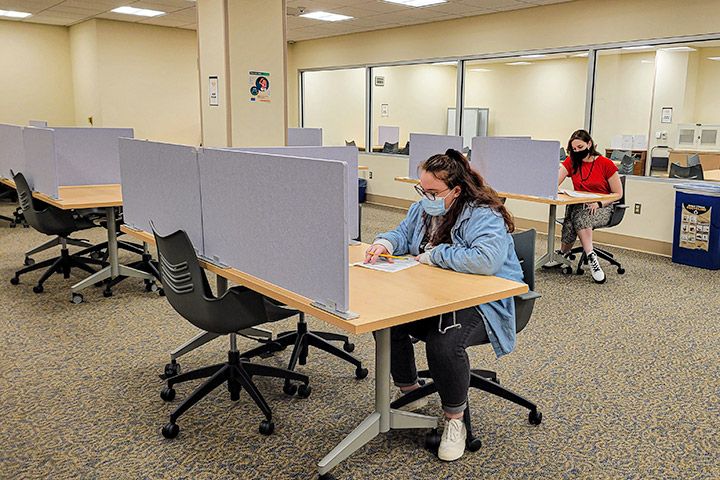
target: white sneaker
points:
(597, 272)
(412, 406)
(452, 443)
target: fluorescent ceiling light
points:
(326, 16)
(647, 61)
(519, 63)
(638, 47)
(680, 49)
(416, 3)
(445, 63)
(534, 55)
(582, 54)
(14, 14)
(480, 70)
(142, 12)
(717, 59)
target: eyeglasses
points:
(428, 195)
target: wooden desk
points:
(708, 160)
(8, 183)
(363, 167)
(712, 175)
(640, 157)
(562, 199)
(382, 300)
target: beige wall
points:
(86, 73)
(35, 74)
(707, 102)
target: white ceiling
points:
(368, 14)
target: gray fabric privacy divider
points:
(348, 155)
(38, 123)
(518, 165)
(88, 156)
(280, 219)
(161, 183)
(40, 160)
(388, 134)
(304, 137)
(423, 146)
(12, 150)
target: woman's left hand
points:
(592, 206)
(424, 258)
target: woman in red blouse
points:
(590, 172)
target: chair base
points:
(601, 253)
(237, 373)
(62, 264)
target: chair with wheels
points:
(692, 173)
(54, 221)
(188, 291)
(627, 165)
(486, 380)
(390, 147)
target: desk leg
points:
(550, 255)
(114, 269)
(383, 419)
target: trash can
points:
(362, 189)
(696, 236)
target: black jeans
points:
(446, 356)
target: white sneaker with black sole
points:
(412, 406)
(597, 272)
(452, 443)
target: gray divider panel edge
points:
(38, 123)
(12, 150)
(423, 146)
(89, 156)
(161, 183)
(40, 160)
(279, 219)
(348, 155)
(304, 137)
(518, 165)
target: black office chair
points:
(617, 155)
(9, 193)
(390, 147)
(51, 220)
(486, 380)
(693, 173)
(405, 150)
(563, 155)
(693, 160)
(627, 165)
(618, 213)
(188, 291)
(351, 143)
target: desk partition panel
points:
(40, 160)
(89, 156)
(304, 137)
(388, 134)
(12, 150)
(423, 146)
(348, 155)
(280, 219)
(161, 183)
(518, 165)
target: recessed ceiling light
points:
(481, 70)
(582, 54)
(638, 47)
(519, 63)
(716, 59)
(14, 14)
(445, 63)
(680, 49)
(647, 61)
(142, 12)
(534, 55)
(416, 3)
(326, 16)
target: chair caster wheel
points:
(170, 430)
(171, 369)
(304, 391)
(161, 292)
(290, 389)
(12, 225)
(566, 270)
(535, 417)
(15, 280)
(29, 261)
(620, 270)
(580, 271)
(77, 298)
(361, 373)
(327, 476)
(267, 427)
(167, 394)
(495, 380)
(571, 256)
(349, 347)
(432, 440)
(107, 293)
(473, 444)
(97, 256)
(38, 289)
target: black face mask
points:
(579, 155)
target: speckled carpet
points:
(627, 375)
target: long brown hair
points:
(584, 136)
(454, 169)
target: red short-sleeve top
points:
(592, 176)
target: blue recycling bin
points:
(696, 236)
(362, 189)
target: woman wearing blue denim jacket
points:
(460, 224)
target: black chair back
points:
(525, 251)
(694, 173)
(619, 207)
(405, 150)
(350, 143)
(627, 165)
(563, 155)
(42, 217)
(188, 291)
(693, 160)
(390, 147)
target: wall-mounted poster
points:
(695, 227)
(259, 85)
(213, 91)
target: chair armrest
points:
(529, 296)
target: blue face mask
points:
(434, 208)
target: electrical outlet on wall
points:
(370, 175)
(638, 208)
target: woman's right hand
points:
(372, 253)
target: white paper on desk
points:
(576, 194)
(385, 266)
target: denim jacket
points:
(480, 245)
